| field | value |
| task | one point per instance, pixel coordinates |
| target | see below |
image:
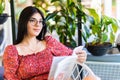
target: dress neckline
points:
(31, 53)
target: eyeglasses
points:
(34, 21)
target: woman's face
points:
(34, 25)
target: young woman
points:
(30, 57)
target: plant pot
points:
(118, 46)
(98, 50)
(3, 18)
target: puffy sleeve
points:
(10, 62)
(57, 48)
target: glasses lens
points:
(34, 21)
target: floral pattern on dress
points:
(35, 66)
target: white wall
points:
(7, 29)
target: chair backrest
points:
(83, 72)
(68, 68)
(105, 70)
(78, 71)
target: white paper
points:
(63, 64)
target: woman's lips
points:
(37, 30)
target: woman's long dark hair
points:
(23, 20)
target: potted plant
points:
(3, 16)
(102, 28)
(66, 20)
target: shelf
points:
(105, 58)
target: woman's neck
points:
(30, 41)
(29, 45)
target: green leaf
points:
(115, 25)
(68, 2)
(94, 14)
(87, 31)
(91, 20)
(2, 6)
(62, 38)
(84, 37)
(112, 37)
(57, 18)
(104, 37)
(51, 28)
(73, 43)
(96, 29)
(51, 15)
(72, 13)
(54, 1)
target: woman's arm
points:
(57, 48)
(10, 62)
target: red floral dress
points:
(34, 66)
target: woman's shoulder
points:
(48, 36)
(10, 47)
(50, 39)
(20, 49)
(10, 50)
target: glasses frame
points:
(34, 21)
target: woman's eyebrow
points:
(35, 18)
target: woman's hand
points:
(82, 56)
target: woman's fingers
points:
(60, 76)
(82, 56)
